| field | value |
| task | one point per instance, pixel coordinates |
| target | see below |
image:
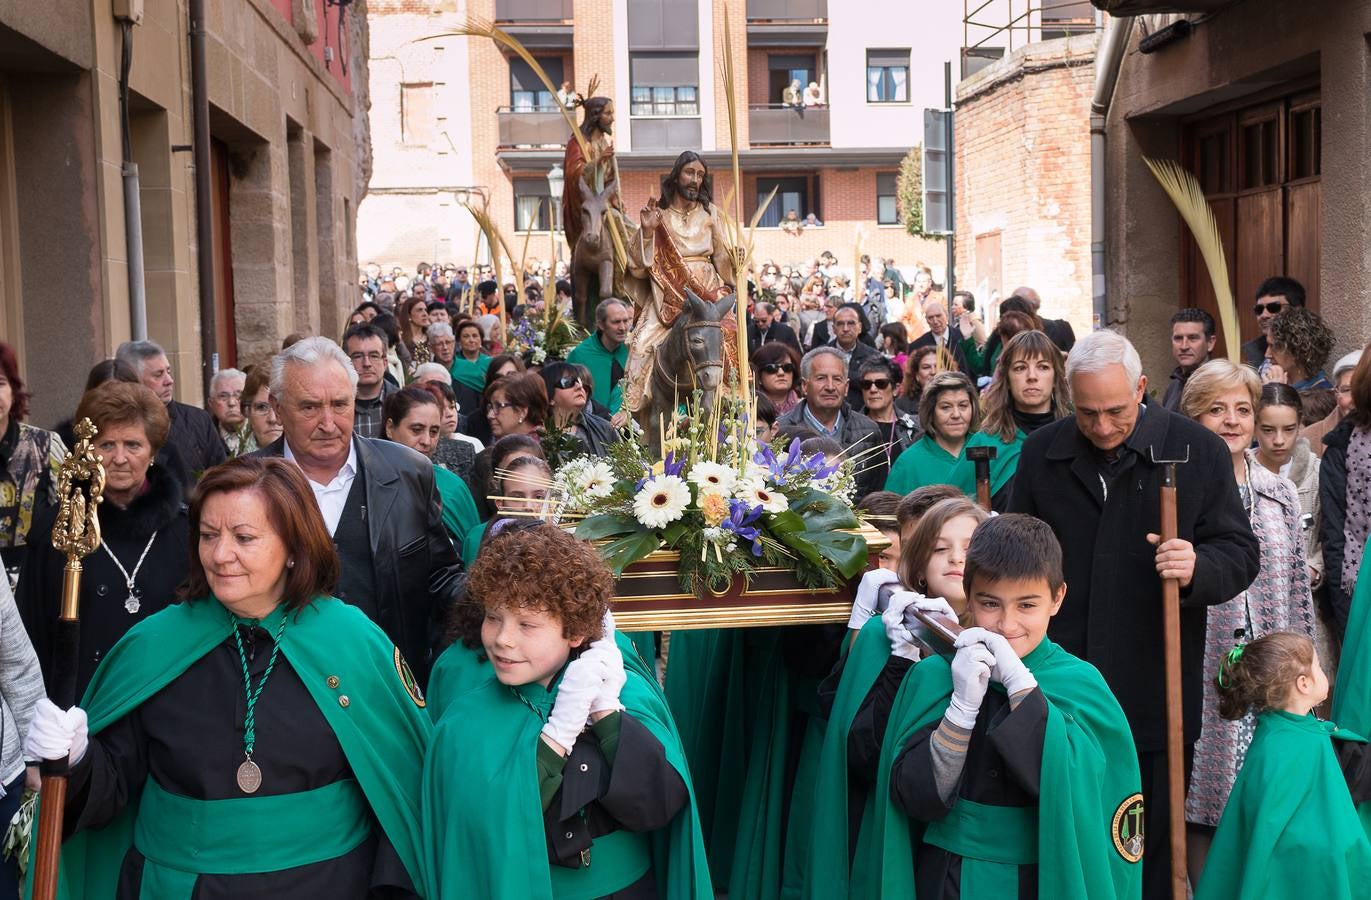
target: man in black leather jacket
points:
(377, 497)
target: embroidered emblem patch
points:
(1127, 828)
(408, 680)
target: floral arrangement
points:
(549, 336)
(724, 502)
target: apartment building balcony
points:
(787, 23)
(774, 125)
(665, 133)
(531, 128)
(538, 24)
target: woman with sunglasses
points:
(776, 368)
(515, 404)
(1028, 391)
(877, 379)
(568, 398)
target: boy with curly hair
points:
(561, 774)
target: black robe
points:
(616, 778)
(104, 618)
(1001, 768)
(189, 736)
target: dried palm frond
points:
(946, 363)
(858, 293)
(741, 250)
(1185, 192)
(493, 237)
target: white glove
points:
(607, 698)
(868, 594)
(901, 641)
(1009, 669)
(584, 679)
(970, 679)
(55, 733)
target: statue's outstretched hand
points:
(651, 216)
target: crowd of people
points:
(361, 523)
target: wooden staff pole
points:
(80, 485)
(1171, 623)
(981, 457)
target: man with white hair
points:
(1093, 478)
(377, 498)
(193, 432)
(225, 405)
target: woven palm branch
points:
(496, 241)
(1185, 192)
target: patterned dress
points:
(1279, 600)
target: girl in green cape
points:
(949, 414)
(522, 798)
(860, 692)
(1029, 788)
(1290, 828)
(258, 739)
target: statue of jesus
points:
(682, 243)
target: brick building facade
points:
(1023, 185)
(832, 161)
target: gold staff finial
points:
(80, 487)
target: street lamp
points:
(556, 178)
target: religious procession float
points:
(705, 525)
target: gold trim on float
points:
(728, 616)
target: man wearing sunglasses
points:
(766, 326)
(1274, 296)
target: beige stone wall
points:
(293, 155)
(1023, 164)
(1240, 51)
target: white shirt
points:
(332, 497)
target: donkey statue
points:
(593, 255)
(691, 357)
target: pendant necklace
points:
(249, 774)
(134, 601)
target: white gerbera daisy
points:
(597, 480)
(756, 494)
(662, 500)
(713, 477)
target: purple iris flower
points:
(670, 466)
(742, 521)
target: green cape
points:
(471, 374)
(827, 866)
(482, 816)
(383, 730)
(1002, 467)
(1290, 828)
(924, 462)
(732, 696)
(1088, 787)
(1352, 693)
(460, 668)
(593, 355)
(459, 510)
(471, 543)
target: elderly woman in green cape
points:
(258, 739)
(560, 773)
(949, 414)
